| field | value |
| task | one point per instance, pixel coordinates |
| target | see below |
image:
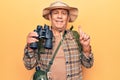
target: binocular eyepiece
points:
(44, 34)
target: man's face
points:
(59, 19)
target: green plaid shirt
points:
(73, 56)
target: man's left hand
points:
(85, 41)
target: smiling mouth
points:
(59, 21)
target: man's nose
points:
(59, 15)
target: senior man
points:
(69, 59)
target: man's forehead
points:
(60, 9)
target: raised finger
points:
(80, 30)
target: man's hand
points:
(32, 37)
(85, 41)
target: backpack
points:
(77, 36)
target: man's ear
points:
(49, 16)
(68, 18)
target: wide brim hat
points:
(73, 12)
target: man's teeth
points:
(58, 21)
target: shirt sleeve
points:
(30, 58)
(87, 61)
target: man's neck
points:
(58, 33)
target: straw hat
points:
(73, 12)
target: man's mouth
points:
(59, 21)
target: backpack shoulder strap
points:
(77, 36)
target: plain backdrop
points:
(98, 18)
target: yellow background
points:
(98, 18)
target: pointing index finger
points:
(80, 30)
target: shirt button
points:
(68, 75)
(66, 62)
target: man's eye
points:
(64, 13)
(55, 13)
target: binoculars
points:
(44, 34)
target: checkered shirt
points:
(74, 58)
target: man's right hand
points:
(32, 37)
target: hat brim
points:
(73, 12)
